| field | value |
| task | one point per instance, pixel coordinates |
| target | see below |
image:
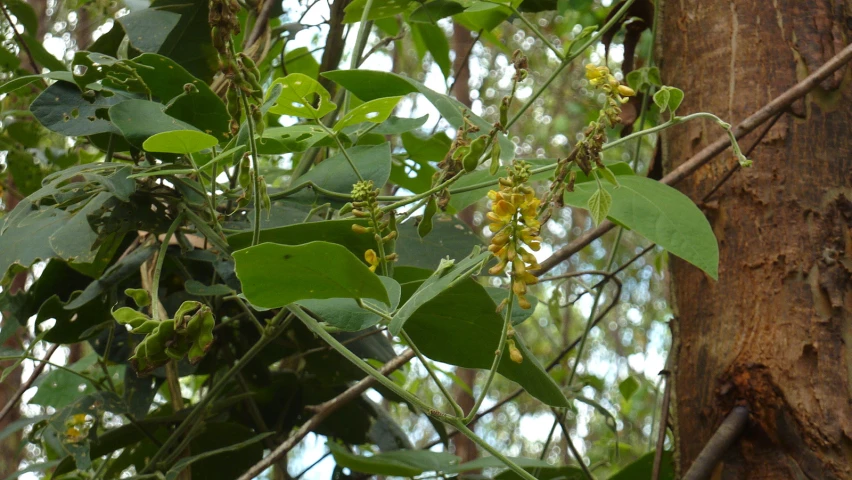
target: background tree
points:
(772, 333)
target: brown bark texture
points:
(775, 332)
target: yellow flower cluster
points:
(601, 77)
(514, 221)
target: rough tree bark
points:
(775, 332)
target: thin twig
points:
(322, 412)
(664, 420)
(726, 436)
(779, 104)
(21, 41)
(261, 24)
(29, 383)
(574, 452)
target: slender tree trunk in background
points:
(9, 446)
(461, 43)
(775, 332)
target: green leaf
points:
(371, 84)
(607, 174)
(276, 275)
(518, 314)
(661, 98)
(378, 9)
(405, 463)
(335, 173)
(447, 275)
(374, 111)
(661, 214)
(460, 327)
(644, 468)
(425, 225)
(63, 109)
(599, 204)
(675, 98)
(449, 237)
(179, 141)
(21, 82)
(140, 119)
(148, 29)
(345, 314)
(189, 43)
(431, 38)
(28, 240)
(296, 138)
(433, 11)
(60, 388)
(333, 231)
(494, 462)
(483, 16)
(299, 94)
(194, 287)
(628, 387)
(300, 60)
(397, 125)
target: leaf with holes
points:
(276, 275)
(374, 111)
(140, 119)
(299, 94)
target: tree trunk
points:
(774, 333)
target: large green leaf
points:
(371, 84)
(345, 314)
(222, 450)
(276, 275)
(60, 388)
(450, 237)
(461, 327)
(432, 39)
(335, 173)
(405, 463)
(374, 111)
(446, 275)
(302, 96)
(494, 462)
(296, 138)
(139, 119)
(333, 231)
(28, 240)
(148, 29)
(518, 314)
(189, 42)
(661, 214)
(63, 109)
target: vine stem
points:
(498, 356)
(333, 135)
(457, 422)
(156, 307)
(452, 401)
(255, 184)
(276, 326)
(535, 30)
(461, 427)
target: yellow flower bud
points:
(514, 353)
(503, 208)
(523, 302)
(625, 91)
(372, 259)
(519, 287)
